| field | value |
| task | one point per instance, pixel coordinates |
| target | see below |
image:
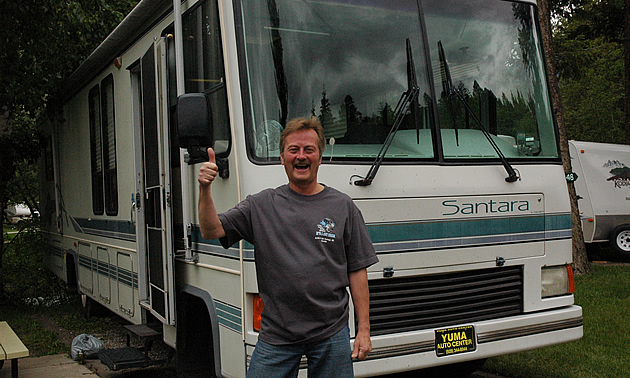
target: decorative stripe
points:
(214, 247)
(229, 316)
(123, 276)
(435, 234)
(53, 250)
(115, 229)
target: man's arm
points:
(361, 299)
(209, 222)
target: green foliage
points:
(593, 99)
(589, 59)
(604, 295)
(45, 40)
(26, 278)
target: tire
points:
(620, 241)
(90, 307)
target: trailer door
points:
(154, 186)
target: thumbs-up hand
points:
(208, 170)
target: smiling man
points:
(310, 244)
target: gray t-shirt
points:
(304, 247)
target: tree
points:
(42, 41)
(626, 49)
(588, 38)
(580, 259)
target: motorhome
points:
(602, 184)
(439, 126)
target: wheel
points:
(90, 307)
(620, 241)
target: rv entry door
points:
(154, 221)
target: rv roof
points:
(136, 22)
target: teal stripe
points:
(124, 276)
(558, 222)
(229, 316)
(444, 233)
(116, 229)
(397, 232)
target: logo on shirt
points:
(325, 231)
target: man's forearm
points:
(209, 223)
(361, 299)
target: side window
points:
(204, 71)
(109, 146)
(103, 148)
(96, 150)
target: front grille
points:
(421, 302)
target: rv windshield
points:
(345, 62)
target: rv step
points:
(124, 358)
(145, 333)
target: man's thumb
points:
(211, 157)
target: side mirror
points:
(194, 125)
(195, 128)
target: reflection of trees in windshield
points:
(514, 112)
(344, 63)
(348, 125)
(277, 52)
(501, 116)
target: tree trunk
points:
(626, 55)
(580, 259)
(2, 208)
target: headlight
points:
(556, 280)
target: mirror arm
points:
(224, 167)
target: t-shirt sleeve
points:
(237, 224)
(360, 250)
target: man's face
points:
(301, 158)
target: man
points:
(310, 243)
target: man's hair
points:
(298, 124)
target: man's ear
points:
(282, 158)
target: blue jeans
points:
(329, 358)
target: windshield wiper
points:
(452, 91)
(405, 103)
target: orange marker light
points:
(258, 309)
(571, 281)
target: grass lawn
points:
(33, 325)
(604, 295)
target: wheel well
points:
(71, 273)
(197, 336)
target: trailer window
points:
(103, 148)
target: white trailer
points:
(603, 187)
(16, 212)
(461, 184)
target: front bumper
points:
(416, 350)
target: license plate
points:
(455, 340)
